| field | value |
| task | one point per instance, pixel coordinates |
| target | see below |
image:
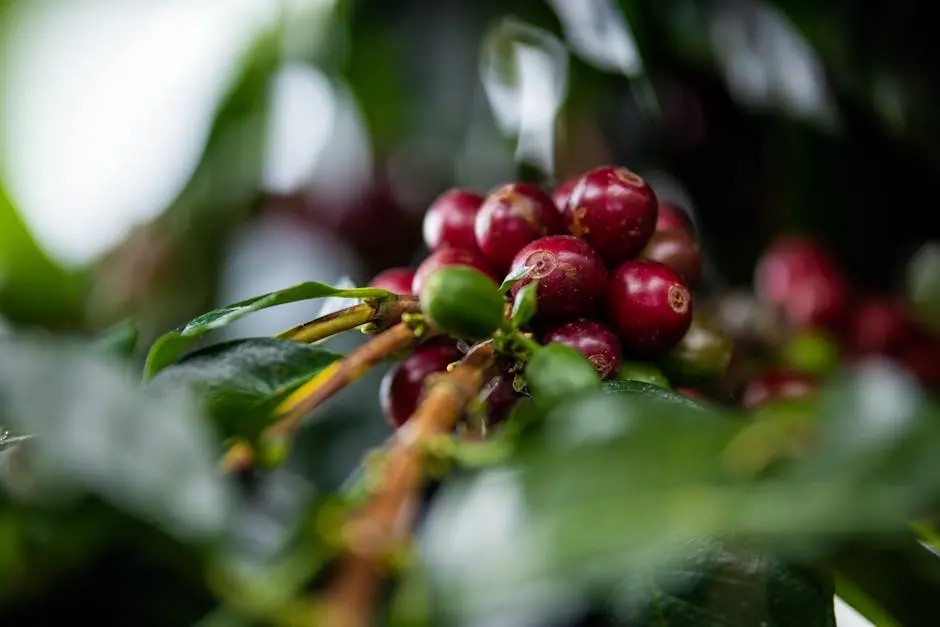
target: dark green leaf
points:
(119, 341)
(242, 381)
(99, 433)
(650, 390)
(170, 346)
(525, 304)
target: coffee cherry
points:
(403, 385)
(449, 220)
(511, 217)
(463, 302)
(678, 250)
(450, 257)
(593, 340)
(810, 351)
(922, 359)
(643, 371)
(701, 356)
(563, 192)
(877, 326)
(500, 398)
(648, 306)
(776, 385)
(556, 373)
(571, 276)
(395, 280)
(799, 278)
(614, 211)
(672, 217)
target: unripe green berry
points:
(643, 371)
(463, 302)
(556, 373)
(811, 352)
(702, 356)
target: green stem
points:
(380, 313)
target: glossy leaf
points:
(514, 277)
(170, 346)
(242, 381)
(524, 305)
(119, 341)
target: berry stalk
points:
(380, 313)
(386, 518)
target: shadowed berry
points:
(571, 277)
(593, 340)
(403, 385)
(563, 192)
(643, 371)
(463, 302)
(677, 249)
(500, 398)
(450, 257)
(512, 216)
(921, 357)
(877, 326)
(776, 385)
(395, 280)
(799, 278)
(449, 220)
(614, 211)
(701, 356)
(672, 217)
(648, 306)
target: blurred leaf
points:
(118, 341)
(642, 388)
(524, 305)
(171, 345)
(100, 433)
(242, 381)
(923, 284)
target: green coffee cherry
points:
(701, 357)
(463, 302)
(556, 373)
(643, 371)
(811, 352)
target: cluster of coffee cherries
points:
(805, 305)
(613, 269)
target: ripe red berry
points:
(395, 280)
(614, 211)
(403, 385)
(571, 277)
(672, 217)
(799, 278)
(563, 192)
(449, 220)
(776, 385)
(922, 359)
(877, 326)
(678, 250)
(512, 216)
(648, 306)
(450, 257)
(593, 340)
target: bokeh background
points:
(158, 159)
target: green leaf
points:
(242, 381)
(650, 390)
(514, 277)
(170, 346)
(119, 341)
(524, 305)
(100, 433)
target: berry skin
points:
(648, 306)
(403, 385)
(449, 220)
(702, 356)
(512, 216)
(877, 326)
(571, 276)
(776, 385)
(463, 302)
(556, 373)
(593, 340)
(395, 280)
(450, 257)
(799, 278)
(614, 211)
(678, 250)
(643, 371)
(672, 217)
(563, 192)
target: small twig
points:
(320, 388)
(387, 516)
(380, 313)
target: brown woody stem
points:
(387, 517)
(380, 313)
(328, 382)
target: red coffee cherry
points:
(500, 397)
(648, 306)
(403, 385)
(449, 220)
(593, 340)
(571, 277)
(776, 385)
(799, 278)
(613, 210)
(395, 280)
(877, 326)
(677, 249)
(512, 216)
(450, 257)
(672, 217)
(563, 192)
